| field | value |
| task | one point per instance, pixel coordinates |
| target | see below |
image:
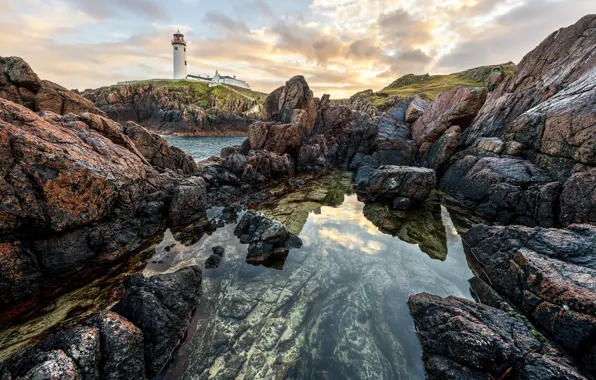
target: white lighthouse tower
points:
(180, 66)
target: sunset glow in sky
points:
(340, 46)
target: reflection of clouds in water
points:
(351, 241)
(349, 213)
(346, 225)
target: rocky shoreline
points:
(80, 189)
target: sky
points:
(340, 46)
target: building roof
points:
(178, 33)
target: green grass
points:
(201, 93)
(430, 86)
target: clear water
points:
(335, 309)
(201, 148)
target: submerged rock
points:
(160, 306)
(266, 237)
(388, 182)
(462, 339)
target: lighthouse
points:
(180, 65)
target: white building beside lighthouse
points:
(180, 64)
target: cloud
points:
(340, 46)
(225, 23)
(105, 9)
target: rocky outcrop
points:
(507, 190)
(466, 340)
(563, 58)
(267, 238)
(121, 347)
(76, 192)
(160, 307)
(181, 108)
(492, 76)
(549, 275)
(295, 95)
(388, 182)
(111, 346)
(157, 150)
(19, 84)
(416, 108)
(363, 101)
(456, 107)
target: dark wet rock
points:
(217, 175)
(573, 245)
(388, 182)
(507, 190)
(416, 108)
(215, 259)
(80, 345)
(264, 167)
(422, 226)
(158, 151)
(466, 340)
(393, 142)
(548, 273)
(578, 198)
(401, 203)
(229, 150)
(456, 107)
(191, 234)
(89, 196)
(160, 306)
(54, 365)
(441, 151)
(121, 347)
(229, 214)
(483, 293)
(264, 236)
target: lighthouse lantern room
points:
(180, 65)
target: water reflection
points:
(337, 310)
(422, 225)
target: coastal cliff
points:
(184, 108)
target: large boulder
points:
(578, 199)
(160, 307)
(264, 167)
(393, 142)
(77, 192)
(507, 190)
(296, 94)
(549, 274)
(158, 151)
(20, 84)
(416, 108)
(462, 339)
(77, 347)
(456, 107)
(388, 182)
(121, 347)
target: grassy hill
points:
(432, 85)
(221, 96)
